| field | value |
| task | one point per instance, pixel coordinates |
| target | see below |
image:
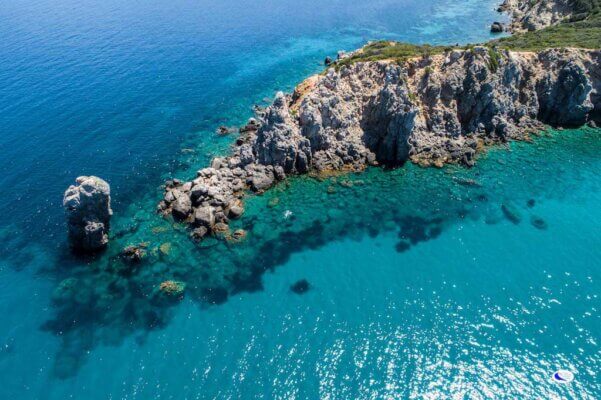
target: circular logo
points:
(563, 376)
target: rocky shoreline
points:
(529, 15)
(429, 110)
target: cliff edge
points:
(430, 109)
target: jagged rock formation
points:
(531, 15)
(88, 208)
(431, 111)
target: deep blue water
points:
(420, 287)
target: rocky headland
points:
(428, 109)
(532, 15)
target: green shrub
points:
(585, 33)
(493, 59)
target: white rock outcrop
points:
(431, 111)
(88, 208)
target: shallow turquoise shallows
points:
(422, 283)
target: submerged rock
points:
(165, 248)
(538, 222)
(225, 130)
(237, 236)
(199, 233)
(88, 208)
(511, 213)
(133, 254)
(172, 289)
(300, 287)
(65, 291)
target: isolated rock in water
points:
(88, 208)
(496, 27)
(327, 61)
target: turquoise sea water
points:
(420, 285)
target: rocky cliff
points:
(429, 110)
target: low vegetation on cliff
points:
(387, 50)
(584, 33)
(582, 30)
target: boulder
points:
(251, 126)
(205, 216)
(88, 208)
(198, 191)
(261, 182)
(239, 234)
(327, 61)
(133, 254)
(496, 27)
(235, 211)
(182, 207)
(200, 232)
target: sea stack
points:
(88, 208)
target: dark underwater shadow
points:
(106, 299)
(109, 299)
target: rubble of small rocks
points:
(88, 208)
(429, 110)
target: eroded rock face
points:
(430, 111)
(88, 208)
